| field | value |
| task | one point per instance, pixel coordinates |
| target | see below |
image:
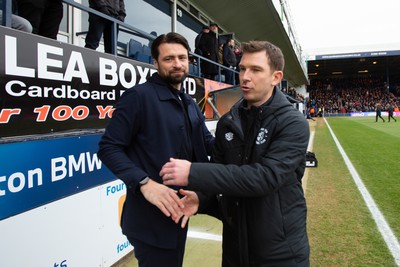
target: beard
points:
(175, 78)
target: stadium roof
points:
(256, 20)
(375, 63)
(259, 20)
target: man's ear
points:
(278, 75)
(155, 63)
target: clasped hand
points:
(176, 172)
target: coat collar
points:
(164, 90)
(277, 100)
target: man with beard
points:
(152, 122)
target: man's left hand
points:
(176, 172)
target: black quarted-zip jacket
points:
(256, 185)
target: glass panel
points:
(144, 16)
(85, 16)
(64, 21)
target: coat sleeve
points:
(122, 12)
(209, 139)
(225, 55)
(118, 136)
(99, 5)
(281, 163)
(204, 44)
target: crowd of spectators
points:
(293, 93)
(350, 95)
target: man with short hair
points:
(229, 60)
(254, 186)
(208, 45)
(205, 29)
(152, 122)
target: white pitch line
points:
(202, 235)
(383, 226)
(311, 141)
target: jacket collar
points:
(277, 100)
(164, 90)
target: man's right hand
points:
(164, 198)
(191, 202)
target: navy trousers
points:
(150, 256)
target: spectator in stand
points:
(44, 15)
(220, 53)
(390, 109)
(17, 22)
(378, 112)
(229, 60)
(99, 26)
(197, 50)
(238, 54)
(208, 46)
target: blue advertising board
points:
(38, 172)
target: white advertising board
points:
(80, 230)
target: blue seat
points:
(143, 58)
(147, 52)
(139, 52)
(194, 69)
(134, 48)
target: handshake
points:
(174, 172)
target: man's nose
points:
(244, 75)
(177, 63)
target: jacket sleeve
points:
(203, 44)
(122, 12)
(209, 139)
(118, 136)
(209, 205)
(98, 4)
(280, 164)
(225, 56)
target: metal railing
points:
(121, 26)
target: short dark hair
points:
(228, 40)
(276, 59)
(169, 38)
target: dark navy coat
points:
(146, 129)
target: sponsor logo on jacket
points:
(262, 136)
(229, 136)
